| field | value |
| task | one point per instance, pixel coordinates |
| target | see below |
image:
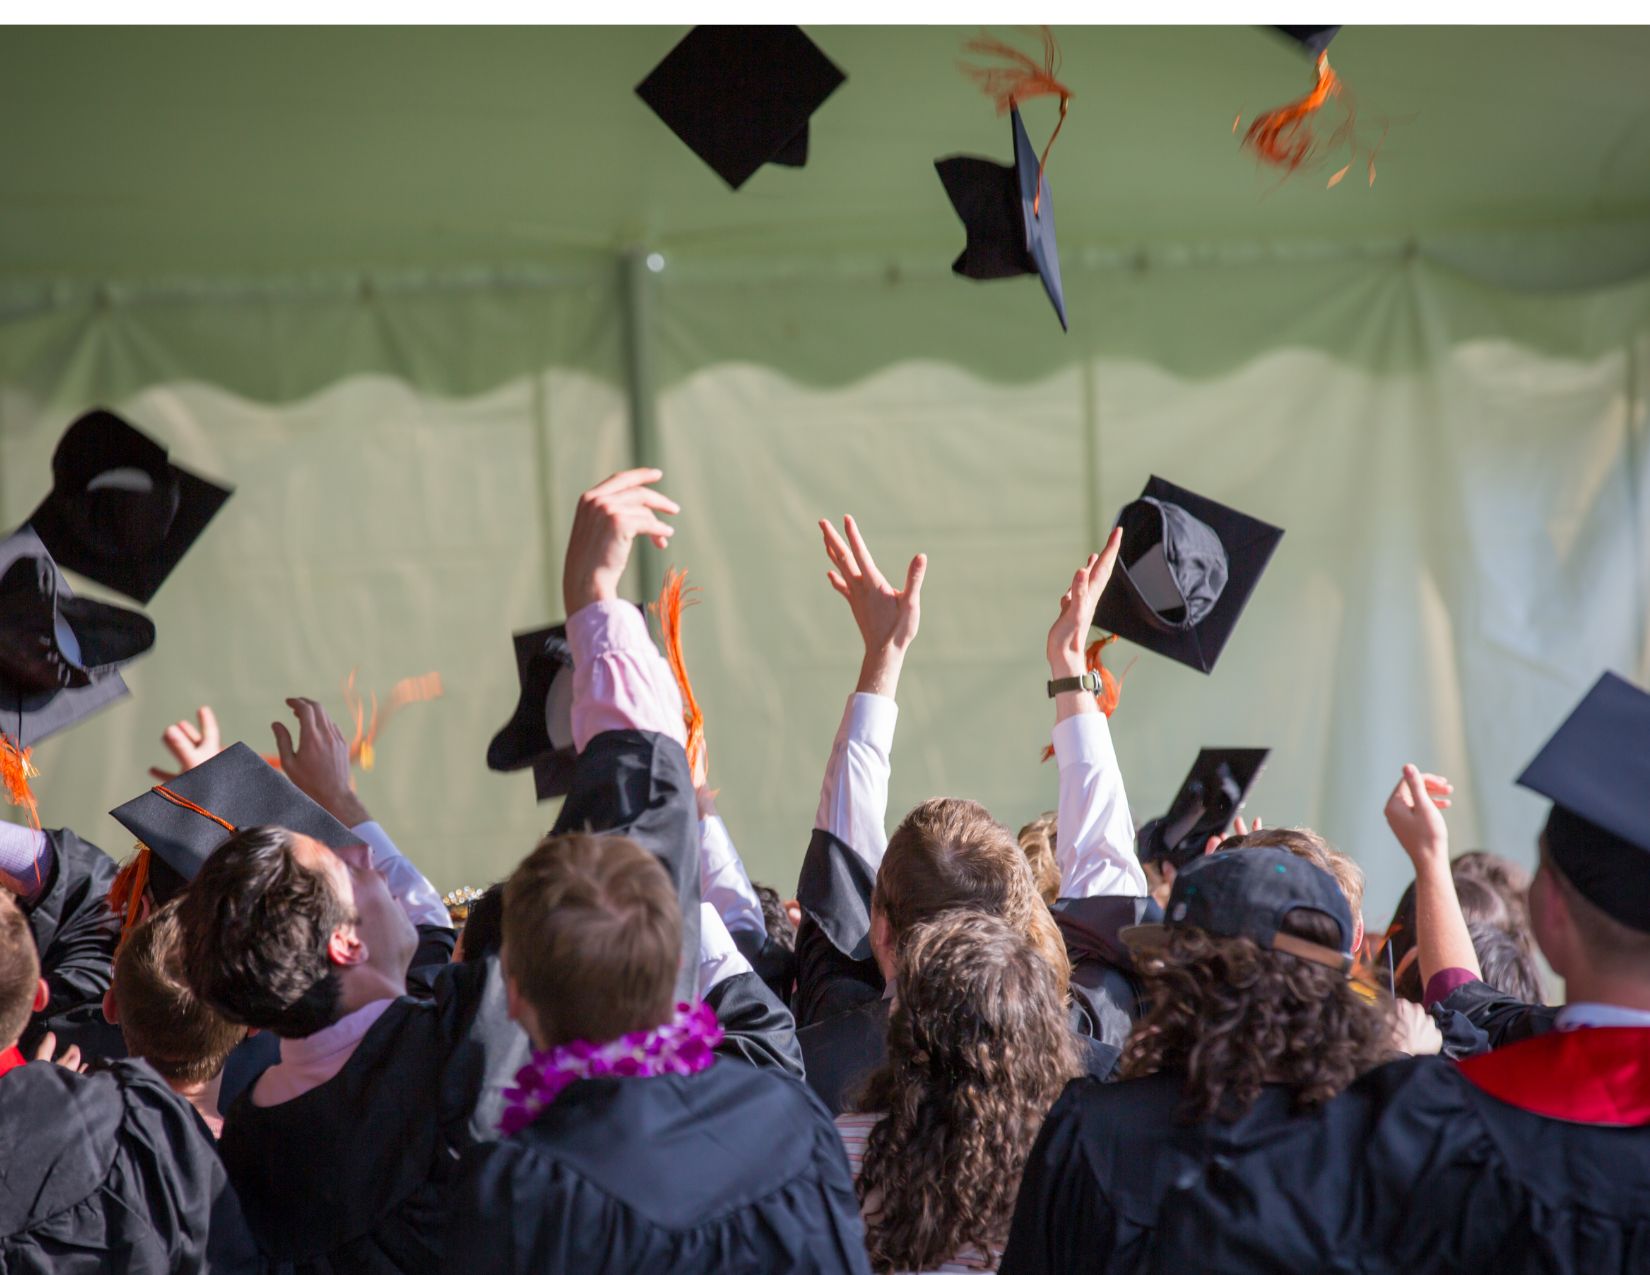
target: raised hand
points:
(888, 618)
(1068, 636)
(319, 765)
(1239, 829)
(609, 518)
(1413, 1030)
(1412, 812)
(190, 743)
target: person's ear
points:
(1358, 933)
(882, 941)
(345, 947)
(111, 1010)
(42, 995)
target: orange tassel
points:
(1284, 137)
(369, 721)
(126, 894)
(1111, 686)
(16, 770)
(673, 600)
(1020, 81)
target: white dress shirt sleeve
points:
(408, 886)
(723, 881)
(1095, 845)
(719, 958)
(853, 802)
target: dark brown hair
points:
(162, 1019)
(978, 1050)
(19, 970)
(256, 924)
(592, 937)
(1234, 1016)
(1038, 840)
(950, 853)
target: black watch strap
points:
(1088, 681)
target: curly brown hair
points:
(1234, 1017)
(978, 1050)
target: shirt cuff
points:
(1441, 984)
(607, 628)
(410, 888)
(1084, 740)
(871, 719)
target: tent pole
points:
(636, 315)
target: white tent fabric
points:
(1462, 472)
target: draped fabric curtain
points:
(1461, 469)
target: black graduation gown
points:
(730, 1171)
(1502, 1019)
(1103, 979)
(75, 934)
(111, 1171)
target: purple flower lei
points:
(681, 1047)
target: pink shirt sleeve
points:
(1443, 983)
(620, 680)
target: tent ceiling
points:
(155, 153)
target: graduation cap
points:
(58, 653)
(1008, 212)
(741, 97)
(181, 822)
(1210, 797)
(119, 512)
(1596, 772)
(1313, 39)
(1185, 572)
(540, 732)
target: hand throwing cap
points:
(1210, 797)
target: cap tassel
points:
(126, 893)
(1020, 81)
(1284, 137)
(369, 721)
(673, 600)
(16, 769)
(1111, 685)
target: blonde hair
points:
(1038, 840)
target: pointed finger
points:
(189, 731)
(837, 547)
(163, 776)
(913, 577)
(209, 722)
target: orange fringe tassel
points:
(673, 600)
(368, 724)
(1111, 686)
(126, 894)
(1284, 137)
(1020, 81)
(16, 770)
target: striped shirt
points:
(855, 1127)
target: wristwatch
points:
(1088, 681)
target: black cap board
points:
(1246, 894)
(1008, 213)
(58, 653)
(540, 732)
(741, 97)
(119, 512)
(1596, 772)
(1313, 39)
(1187, 567)
(1213, 792)
(238, 787)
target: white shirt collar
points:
(1596, 1014)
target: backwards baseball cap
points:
(1246, 894)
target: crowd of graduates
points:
(263, 1042)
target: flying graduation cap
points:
(1596, 772)
(1210, 797)
(1184, 573)
(119, 512)
(539, 733)
(1007, 210)
(1313, 39)
(741, 97)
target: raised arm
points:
(1095, 843)
(1441, 937)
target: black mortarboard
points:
(740, 97)
(1596, 772)
(1008, 212)
(1313, 39)
(1211, 796)
(1185, 572)
(119, 512)
(540, 733)
(58, 653)
(184, 820)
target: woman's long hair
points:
(1234, 1017)
(978, 1050)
